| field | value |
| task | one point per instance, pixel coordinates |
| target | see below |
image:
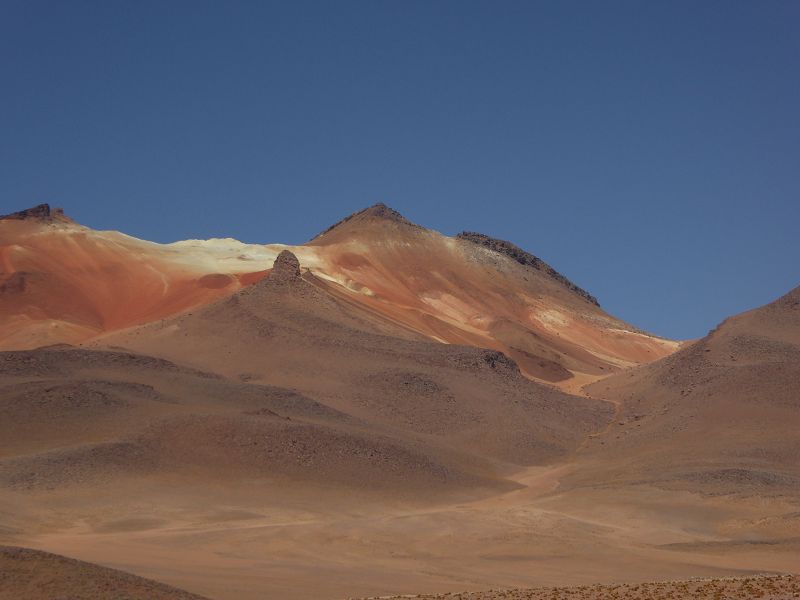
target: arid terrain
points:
(32, 574)
(65, 283)
(382, 411)
(774, 587)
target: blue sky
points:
(648, 150)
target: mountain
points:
(281, 381)
(719, 415)
(289, 330)
(282, 403)
(707, 441)
(65, 283)
(381, 411)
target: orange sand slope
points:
(65, 283)
(478, 291)
(62, 282)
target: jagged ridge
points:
(524, 258)
(40, 212)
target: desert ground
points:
(384, 411)
(32, 574)
(769, 587)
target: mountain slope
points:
(302, 431)
(478, 291)
(720, 415)
(80, 420)
(282, 441)
(289, 330)
(61, 282)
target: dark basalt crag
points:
(40, 212)
(524, 258)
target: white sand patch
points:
(349, 284)
(450, 306)
(671, 344)
(550, 318)
(164, 280)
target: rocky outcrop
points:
(40, 212)
(524, 258)
(286, 269)
(376, 212)
(381, 211)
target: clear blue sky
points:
(648, 150)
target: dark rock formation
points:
(286, 268)
(478, 359)
(524, 258)
(40, 212)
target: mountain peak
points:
(524, 258)
(382, 211)
(40, 212)
(377, 213)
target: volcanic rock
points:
(40, 212)
(285, 269)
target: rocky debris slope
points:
(524, 258)
(719, 416)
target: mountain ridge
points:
(40, 212)
(524, 258)
(72, 284)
